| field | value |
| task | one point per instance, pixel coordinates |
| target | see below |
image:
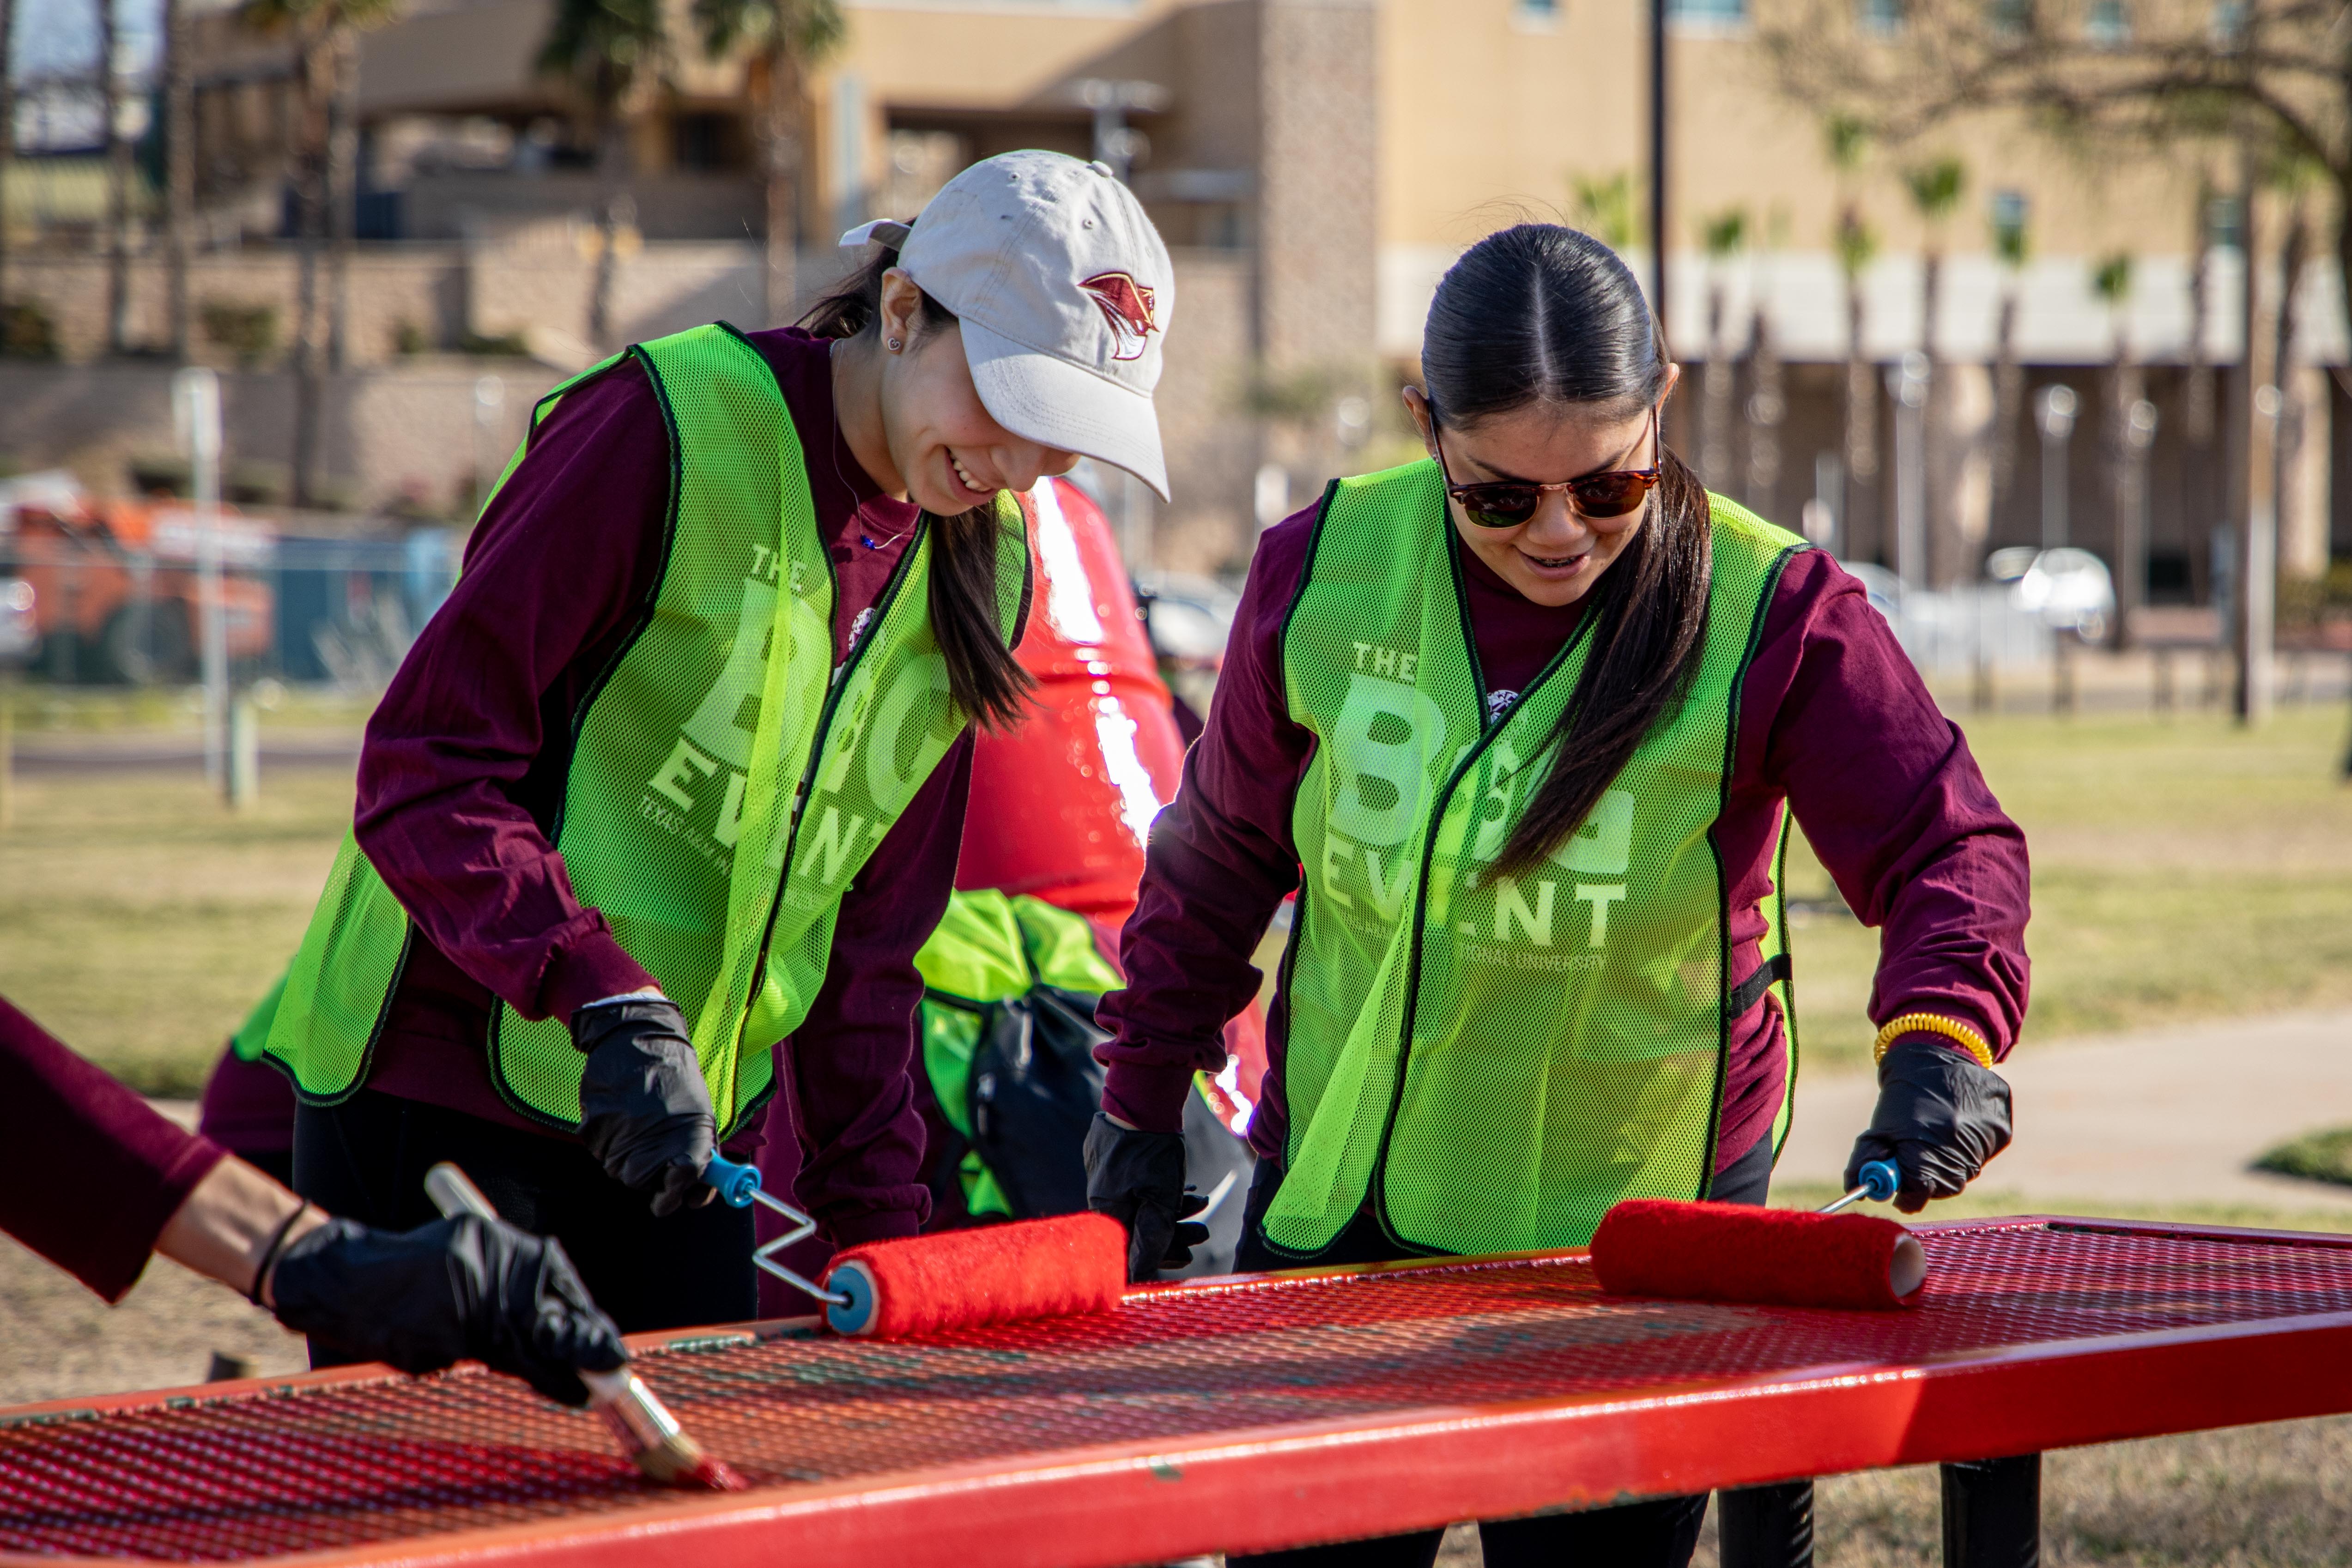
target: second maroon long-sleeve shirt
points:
(1832, 719)
(463, 772)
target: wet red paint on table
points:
(1243, 1413)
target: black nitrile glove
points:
(454, 1289)
(1939, 1118)
(644, 1108)
(1138, 1178)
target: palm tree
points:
(325, 159)
(1604, 208)
(2009, 245)
(7, 131)
(180, 168)
(1767, 404)
(2111, 280)
(1855, 245)
(118, 186)
(1724, 237)
(793, 38)
(607, 48)
(1934, 188)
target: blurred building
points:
(1316, 166)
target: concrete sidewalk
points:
(2166, 1116)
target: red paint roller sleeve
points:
(967, 1279)
(1772, 1257)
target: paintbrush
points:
(648, 1432)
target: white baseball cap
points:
(1064, 290)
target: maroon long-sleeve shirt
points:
(1832, 719)
(89, 1174)
(462, 771)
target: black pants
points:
(1763, 1527)
(365, 1160)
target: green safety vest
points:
(720, 750)
(1496, 1060)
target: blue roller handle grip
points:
(1879, 1180)
(736, 1183)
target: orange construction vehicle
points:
(113, 585)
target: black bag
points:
(1035, 1087)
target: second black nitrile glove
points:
(454, 1289)
(1138, 1178)
(645, 1111)
(1939, 1118)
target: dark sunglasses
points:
(1508, 503)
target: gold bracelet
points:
(1959, 1033)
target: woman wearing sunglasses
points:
(1523, 724)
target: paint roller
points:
(951, 1279)
(1768, 1256)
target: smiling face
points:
(1556, 555)
(948, 452)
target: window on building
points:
(1537, 15)
(1709, 13)
(2010, 18)
(2227, 27)
(704, 141)
(2009, 209)
(2224, 226)
(1880, 18)
(2108, 24)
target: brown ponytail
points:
(985, 678)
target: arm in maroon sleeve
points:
(861, 1137)
(93, 1173)
(1219, 861)
(563, 559)
(1892, 803)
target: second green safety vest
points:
(1494, 1061)
(726, 781)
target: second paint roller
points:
(1770, 1256)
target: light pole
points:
(195, 409)
(1908, 382)
(2054, 416)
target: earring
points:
(895, 345)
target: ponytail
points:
(983, 677)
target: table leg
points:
(1992, 1513)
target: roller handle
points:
(734, 1182)
(740, 1187)
(1879, 1181)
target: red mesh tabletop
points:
(1235, 1415)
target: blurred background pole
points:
(1659, 226)
(2054, 416)
(1908, 382)
(244, 751)
(2131, 519)
(2252, 499)
(490, 406)
(195, 407)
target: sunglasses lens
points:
(1500, 506)
(1609, 495)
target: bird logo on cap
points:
(1129, 307)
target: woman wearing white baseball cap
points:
(664, 799)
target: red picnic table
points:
(1244, 1414)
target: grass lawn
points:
(2180, 869)
(140, 919)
